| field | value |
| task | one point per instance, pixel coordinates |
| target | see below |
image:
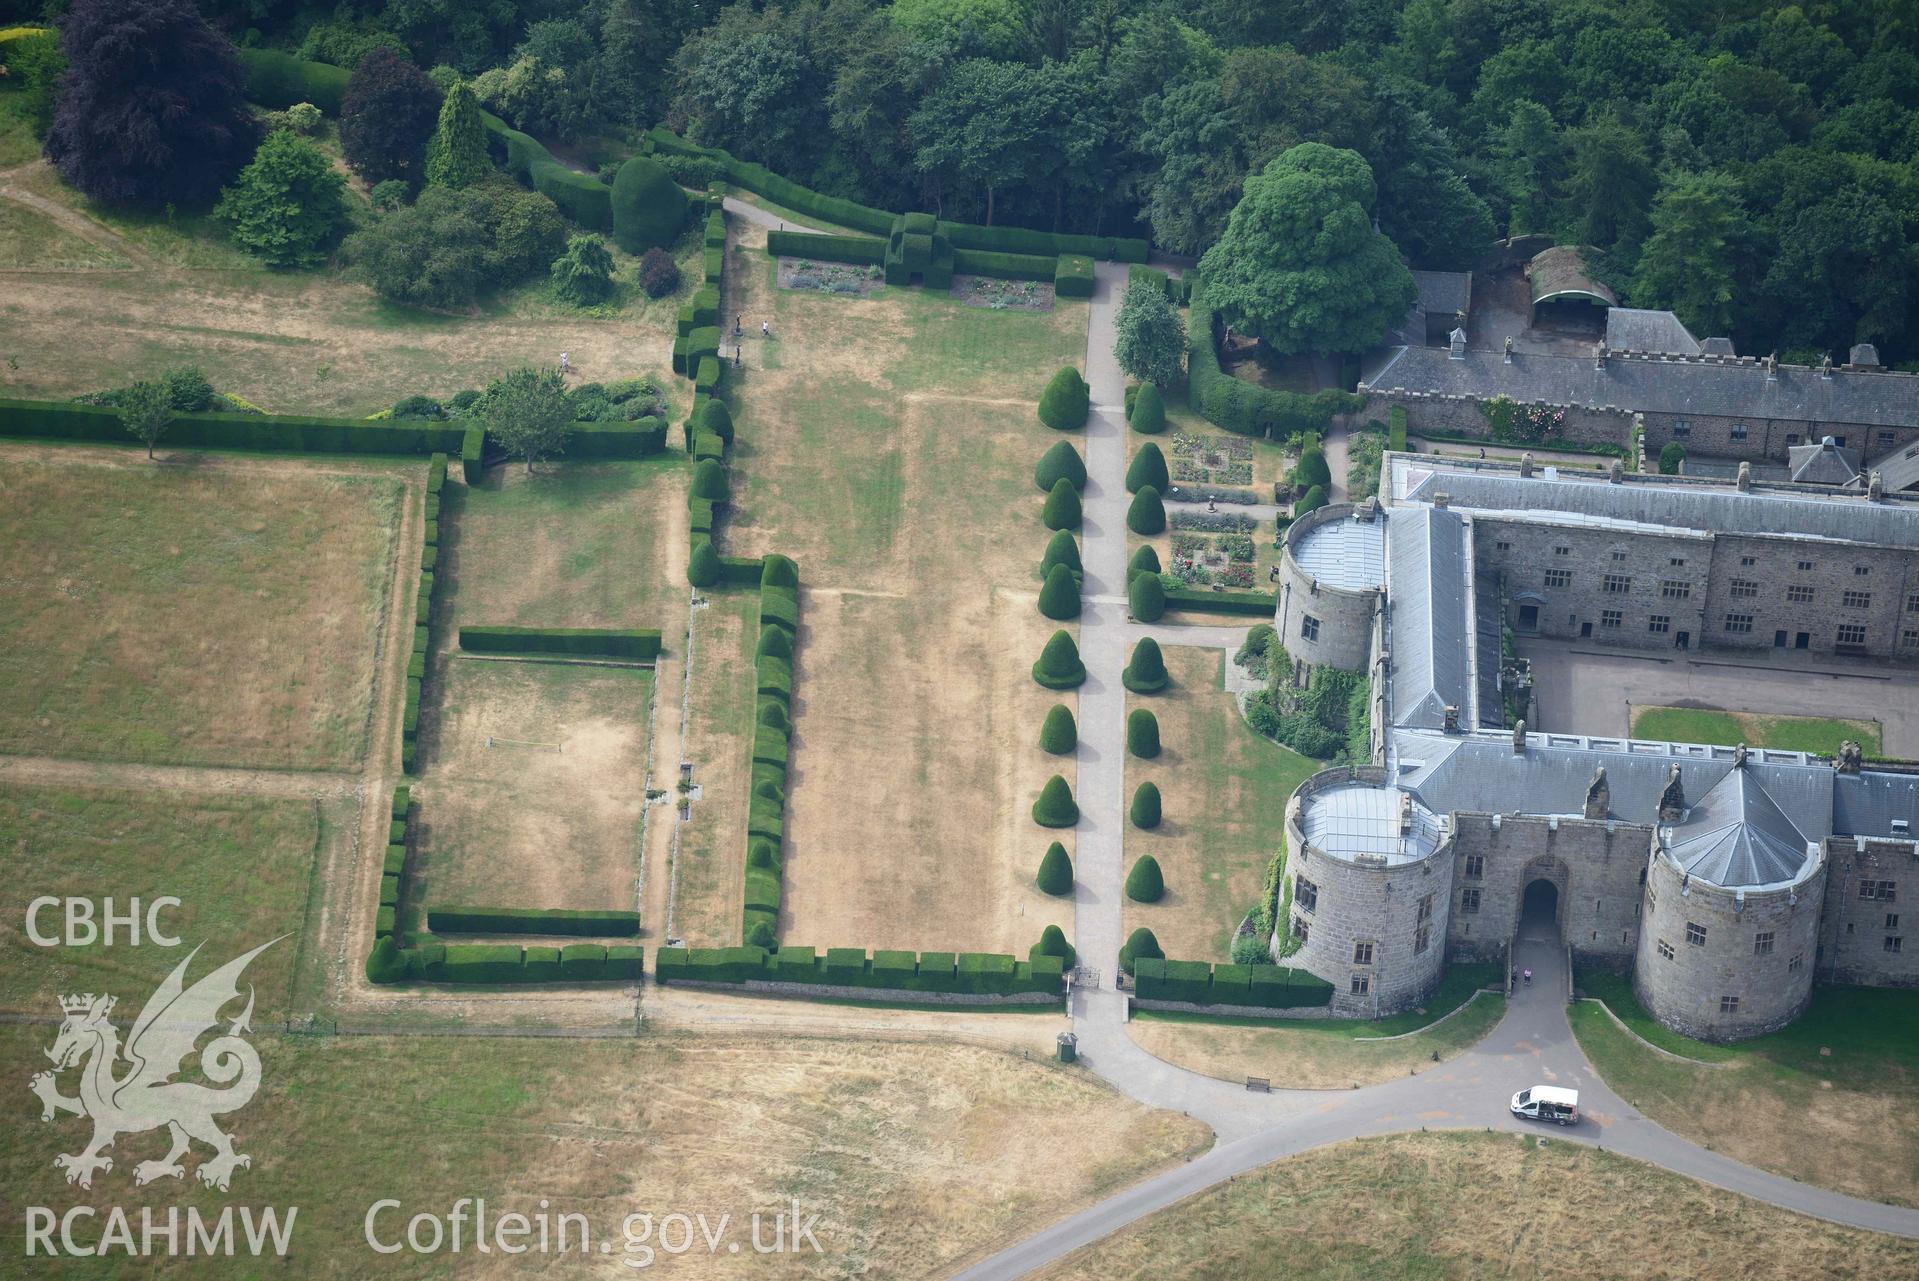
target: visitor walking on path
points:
(766, 330)
(566, 366)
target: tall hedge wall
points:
(55, 420)
(279, 80)
(1005, 266)
(972, 973)
(1263, 604)
(1241, 406)
(594, 642)
(532, 920)
(511, 963)
(1270, 986)
(581, 197)
(800, 244)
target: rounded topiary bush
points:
(1059, 732)
(763, 854)
(1142, 733)
(1061, 549)
(1146, 598)
(703, 570)
(1055, 871)
(709, 481)
(768, 788)
(779, 571)
(1148, 414)
(1144, 810)
(1146, 516)
(1052, 942)
(1144, 561)
(1144, 884)
(1065, 402)
(1312, 469)
(1062, 506)
(1140, 943)
(773, 713)
(1147, 468)
(775, 642)
(1059, 665)
(1061, 462)
(649, 209)
(1056, 806)
(384, 964)
(761, 935)
(1672, 458)
(1059, 597)
(718, 419)
(1311, 501)
(1146, 671)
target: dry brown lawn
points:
(915, 1155)
(887, 443)
(1480, 1205)
(198, 610)
(550, 818)
(710, 884)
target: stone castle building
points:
(1725, 880)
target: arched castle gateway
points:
(1723, 880)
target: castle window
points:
(1910, 638)
(1886, 438)
(1912, 603)
(1309, 627)
(1799, 594)
(1672, 589)
(1361, 983)
(1619, 556)
(1660, 624)
(1682, 428)
(1362, 954)
(1300, 930)
(1559, 577)
(1805, 565)
(1695, 934)
(1793, 966)
(1892, 920)
(1729, 1005)
(1469, 900)
(1611, 618)
(1502, 546)
(1851, 634)
(1762, 943)
(1563, 549)
(1676, 562)
(1748, 561)
(1883, 891)
(1617, 583)
(1792, 438)
(1422, 938)
(1860, 571)
(1425, 909)
(1856, 600)
(1475, 865)
(1739, 623)
(1892, 942)
(1305, 893)
(1739, 431)
(1744, 589)
(1665, 949)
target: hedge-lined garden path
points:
(1533, 1044)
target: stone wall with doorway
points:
(1496, 855)
(1580, 577)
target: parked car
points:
(1547, 1103)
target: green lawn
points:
(1843, 1070)
(18, 145)
(1816, 734)
(241, 868)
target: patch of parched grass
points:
(29, 240)
(1816, 734)
(125, 846)
(1586, 1214)
(172, 237)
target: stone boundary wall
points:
(1247, 1011)
(1461, 416)
(768, 988)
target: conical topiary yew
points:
(1059, 597)
(1055, 871)
(1142, 733)
(718, 419)
(1061, 549)
(1066, 401)
(1059, 665)
(1056, 806)
(1146, 516)
(1147, 468)
(709, 481)
(1149, 411)
(1146, 671)
(775, 642)
(703, 570)
(1144, 561)
(1140, 943)
(1312, 469)
(1061, 462)
(1058, 733)
(1062, 506)
(1052, 942)
(1144, 884)
(1144, 810)
(1146, 598)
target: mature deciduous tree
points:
(528, 413)
(1687, 263)
(1149, 338)
(390, 113)
(147, 410)
(288, 205)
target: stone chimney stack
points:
(1672, 801)
(1405, 813)
(1451, 725)
(1825, 367)
(1875, 488)
(1772, 368)
(1745, 478)
(1599, 356)
(1526, 465)
(1863, 356)
(1442, 499)
(1739, 757)
(1456, 344)
(1616, 474)
(1519, 737)
(1849, 759)
(1598, 795)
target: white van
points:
(1547, 1103)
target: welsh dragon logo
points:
(144, 1096)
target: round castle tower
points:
(1331, 573)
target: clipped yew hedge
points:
(969, 973)
(1073, 276)
(505, 963)
(1059, 665)
(595, 922)
(1276, 987)
(1259, 604)
(579, 642)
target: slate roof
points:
(1899, 470)
(1636, 329)
(1447, 293)
(1675, 386)
(1823, 463)
(1737, 835)
(1427, 583)
(1348, 553)
(1551, 496)
(1561, 271)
